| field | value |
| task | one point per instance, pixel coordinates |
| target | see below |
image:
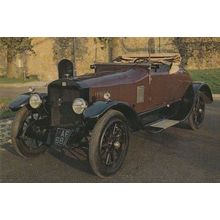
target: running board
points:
(166, 123)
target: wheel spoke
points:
(114, 129)
(108, 158)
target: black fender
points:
(204, 89)
(186, 106)
(23, 100)
(99, 108)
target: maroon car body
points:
(159, 88)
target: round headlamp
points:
(35, 101)
(79, 105)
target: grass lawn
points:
(13, 80)
(6, 114)
(4, 111)
(209, 76)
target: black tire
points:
(197, 115)
(19, 144)
(108, 149)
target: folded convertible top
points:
(166, 58)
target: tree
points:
(63, 48)
(184, 48)
(199, 47)
(14, 46)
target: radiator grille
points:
(60, 100)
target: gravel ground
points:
(176, 155)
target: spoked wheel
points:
(27, 137)
(197, 116)
(109, 144)
(112, 143)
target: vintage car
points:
(99, 110)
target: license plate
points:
(62, 136)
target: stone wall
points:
(42, 62)
(210, 62)
(85, 51)
(48, 52)
(88, 51)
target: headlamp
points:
(79, 105)
(35, 101)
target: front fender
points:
(99, 108)
(23, 100)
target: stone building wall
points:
(42, 62)
(209, 62)
(88, 51)
(48, 52)
(85, 51)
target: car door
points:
(162, 86)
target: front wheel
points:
(109, 143)
(27, 136)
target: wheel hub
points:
(117, 144)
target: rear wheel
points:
(109, 144)
(197, 115)
(27, 136)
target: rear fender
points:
(205, 90)
(186, 106)
(23, 100)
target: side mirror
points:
(65, 69)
